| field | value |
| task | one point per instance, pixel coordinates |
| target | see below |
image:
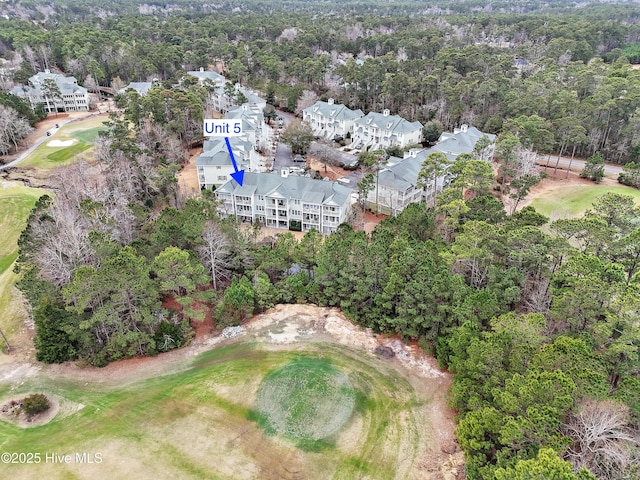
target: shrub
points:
(34, 404)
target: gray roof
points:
(292, 187)
(392, 123)
(203, 75)
(334, 111)
(401, 174)
(66, 85)
(215, 152)
(251, 96)
(141, 87)
(462, 140)
(40, 77)
(250, 115)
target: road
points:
(37, 143)
(577, 165)
(283, 158)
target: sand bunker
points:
(61, 143)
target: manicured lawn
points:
(196, 423)
(81, 134)
(573, 200)
(16, 201)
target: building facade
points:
(381, 130)
(396, 183)
(329, 120)
(286, 202)
(214, 165)
(55, 92)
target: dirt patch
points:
(188, 177)
(333, 172)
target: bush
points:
(170, 335)
(34, 404)
(594, 168)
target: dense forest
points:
(462, 64)
(538, 320)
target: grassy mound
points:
(307, 399)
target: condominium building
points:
(286, 201)
(330, 120)
(381, 130)
(55, 92)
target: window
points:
(222, 178)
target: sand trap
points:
(61, 143)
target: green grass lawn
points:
(81, 133)
(196, 423)
(16, 201)
(574, 200)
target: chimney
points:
(464, 127)
(385, 112)
(331, 101)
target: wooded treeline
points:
(458, 65)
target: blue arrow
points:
(238, 175)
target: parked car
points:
(299, 158)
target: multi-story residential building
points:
(214, 165)
(287, 201)
(203, 75)
(381, 130)
(223, 102)
(55, 92)
(141, 87)
(253, 127)
(329, 120)
(396, 183)
(463, 140)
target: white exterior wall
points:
(276, 212)
(213, 175)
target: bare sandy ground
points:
(61, 143)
